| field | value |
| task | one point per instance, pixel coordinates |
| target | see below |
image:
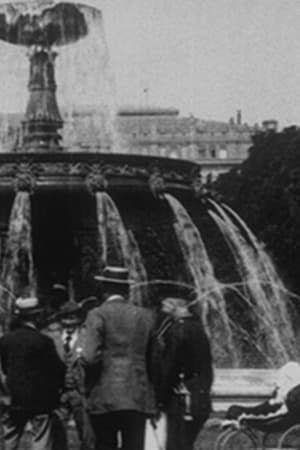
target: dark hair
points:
(18, 320)
(115, 288)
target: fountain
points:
(65, 214)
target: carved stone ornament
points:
(197, 183)
(157, 183)
(96, 180)
(25, 178)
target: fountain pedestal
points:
(42, 117)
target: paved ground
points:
(205, 441)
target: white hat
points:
(288, 377)
(114, 274)
(27, 305)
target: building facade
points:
(216, 146)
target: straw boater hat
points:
(61, 291)
(114, 274)
(27, 306)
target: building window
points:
(223, 154)
(201, 152)
(173, 154)
(213, 153)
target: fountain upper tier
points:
(42, 24)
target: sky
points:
(207, 58)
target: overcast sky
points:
(208, 57)
(204, 57)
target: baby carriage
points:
(273, 424)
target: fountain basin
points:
(61, 171)
(63, 190)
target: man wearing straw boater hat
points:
(34, 378)
(117, 337)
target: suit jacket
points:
(71, 359)
(34, 372)
(117, 338)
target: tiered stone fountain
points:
(64, 214)
(62, 222)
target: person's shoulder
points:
(95, 314)
(45, 340)
(36, 335)
(5, 338)
(11, 335)
(143, 311)
(22, 336)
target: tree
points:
(265, 191)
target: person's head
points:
(28, 310)
(71, 315)
(114, 281)
(60, 295)
(175, 306)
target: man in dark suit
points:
(34, 376)
(73, 401)
(117, 337)
(182, 372)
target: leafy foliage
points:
(265, 191)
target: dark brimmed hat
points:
(59, 287)
(70, 308)
(114, 274)
(27, 306)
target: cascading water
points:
(269, 276)
(90, 114)
(118, 246)
(17, 268)
(267, 304)
(209, 290)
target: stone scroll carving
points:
(197, 182)
(96, 180)
(94, 174)
(25, 177)
(157, 183)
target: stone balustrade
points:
(242, 386)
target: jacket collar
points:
(28, 326)
(115, 298)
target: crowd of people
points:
(107, 369)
